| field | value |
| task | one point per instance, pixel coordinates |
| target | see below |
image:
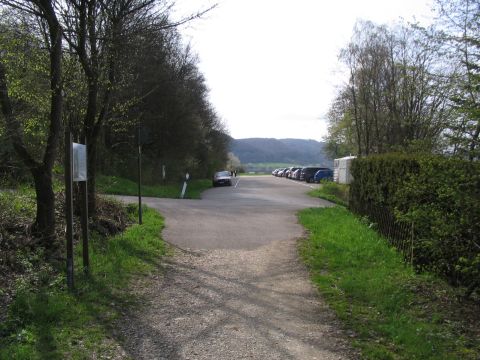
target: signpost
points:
(80, 175)
(75, 170)
(140, 184)
(69, 206)
(143, 138)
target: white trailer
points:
(341, 170)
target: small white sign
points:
(79, 162)
(187, 176)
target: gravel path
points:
(236, 303)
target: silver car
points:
(222, 178)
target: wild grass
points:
(377, 295)
(45, 321)
(120, 186)
(331, 191)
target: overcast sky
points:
(272, 65)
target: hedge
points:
(440, 196)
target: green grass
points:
(52, 323)
(120, 186)
(331, 191)
(17, 204)
(376, 295)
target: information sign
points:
(79, 162)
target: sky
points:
(272, 65)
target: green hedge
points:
(440, 196)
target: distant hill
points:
(286, 151)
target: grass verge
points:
(393, 312)
(119, 186)
(46, 321)
(331, 191)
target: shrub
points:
(440, 196)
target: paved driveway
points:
(254, 211)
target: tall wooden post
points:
(69, 206)
(140, 184)
(84, 220)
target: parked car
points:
(308, 173)
(323, 174)
(222, 178)
(281, 173)
(291, 171)
(276, 171)
(296, 174)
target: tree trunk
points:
(44, 226)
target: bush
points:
(440, 196)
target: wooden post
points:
(69, 206)
(140, 184)
(84, 220)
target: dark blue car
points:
(323, 174)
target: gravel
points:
(234, 304)
(247, 296)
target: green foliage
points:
(441, 196)
(372, 291)
(443, 201)
(331, 191)
(377, 178)
(27, 66)
(14, 204)
(45, 321)
(119, 186)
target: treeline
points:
(103, 68)
(411, 89)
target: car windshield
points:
(223, 173)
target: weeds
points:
(45, 321)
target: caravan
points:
(341, 172)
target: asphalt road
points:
(254, 211)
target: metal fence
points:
(400, 234)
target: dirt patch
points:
(233, 304)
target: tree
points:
(170, 98)
(104, 34)
(396, 97)
(459, 30)
(41, 169)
